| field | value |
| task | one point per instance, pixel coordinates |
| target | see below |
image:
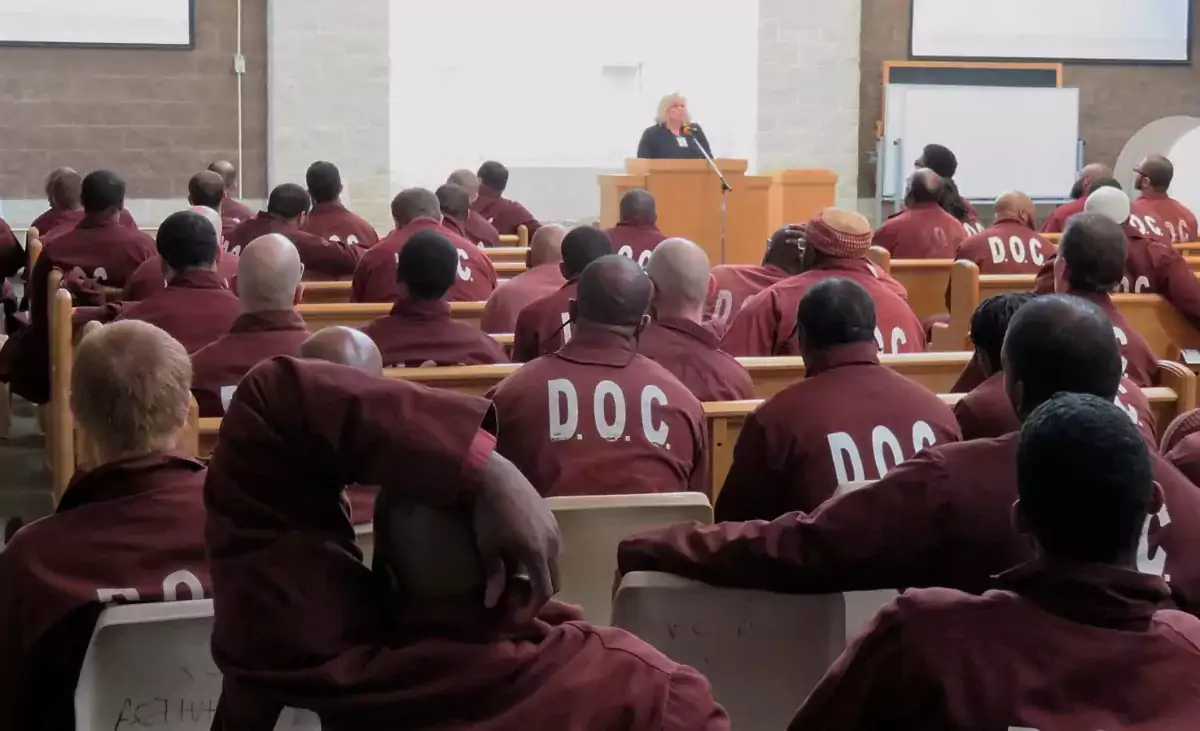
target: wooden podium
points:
(688, 194)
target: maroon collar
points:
(1155, 195)
(839, 356)
(591, 346)
(411, 308)
(925, 206)
(101, 220)
(267, 321)
(198, 279)
(1094, 594)
(1008, 218)
(455, 226)
(268, 216)
(125, 477)
(689, 329)
(648, 227)
(328, 207)
(1100, 299)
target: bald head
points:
(679, 270)
(1016, 206)
(206, 188)
(228, 174)
(345, 346)
(467, 180)
(1156, 172)
(454, 201)
(1092, 252)
(130, 391)
(63, 188)
(614, 292)
(269, 271)
(925, 186)
(546, 245)
(1059, 343)
(638, 208)
(413, 203)
(1091, 173)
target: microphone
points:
(689, 128)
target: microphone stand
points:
(725, 188)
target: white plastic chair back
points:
(592, 526)
(364, 536)
(763, 652)
(150, 665)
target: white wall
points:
(558, 91)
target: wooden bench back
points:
(521, 239)
(925, 280)
(358, 314)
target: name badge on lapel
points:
(682, 141)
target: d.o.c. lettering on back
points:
(848, 461)
(610, 414)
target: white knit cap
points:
(1110, 203)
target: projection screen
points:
(1146, 31)
(133, 23)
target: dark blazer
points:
(659, 143)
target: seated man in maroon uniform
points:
(444, 629)
(1090, 262)
(596, 418)
(1057, 221)
(329, 219)
(942, 160)
(923, 230)
(419, 329)
(836, 244)
(942, 517)
(413, 210)
(151, 276)
(233, 212)
(1157, 210)
(64, 189)
(850, 419)
(506, 215)
(196, 307)
(1010, 245)
(636, 233)
(986, 411)
(677, 338)
(455, 204)
(287, 212)
(542, 278)
(734, 284)
(479, 231)
(1077, 638)
(545, 325)
(129, 528)
(102, 250)
(269, 273)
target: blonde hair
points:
(668, 100)
(131, 388)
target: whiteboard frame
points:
(189, 46)
(894, 166)
(1191, 37)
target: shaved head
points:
(63, 187)
(228, 173)
(130, 391)
(638, 208)
(1016, 206)
(1091, 173)
(1158, 171)
(345, 346)
(269, 271)
(614, 292)
(454, 201)
(206, 188)
(413, 203)
(679, 270)
(467, 180)
(546, 245)
(925, 186)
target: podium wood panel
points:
(798, 195)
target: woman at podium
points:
(673, 134)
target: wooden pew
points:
(935, 371)
(357, 314)
(521, 239)
(509, 269)
(1159, 324)
(506, 253)
(925, 280)
(1175, 394)
(325, 293)
(60, 423)
(967, 289)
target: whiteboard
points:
(92, 22)
(1005, 138)
(1157, 31)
